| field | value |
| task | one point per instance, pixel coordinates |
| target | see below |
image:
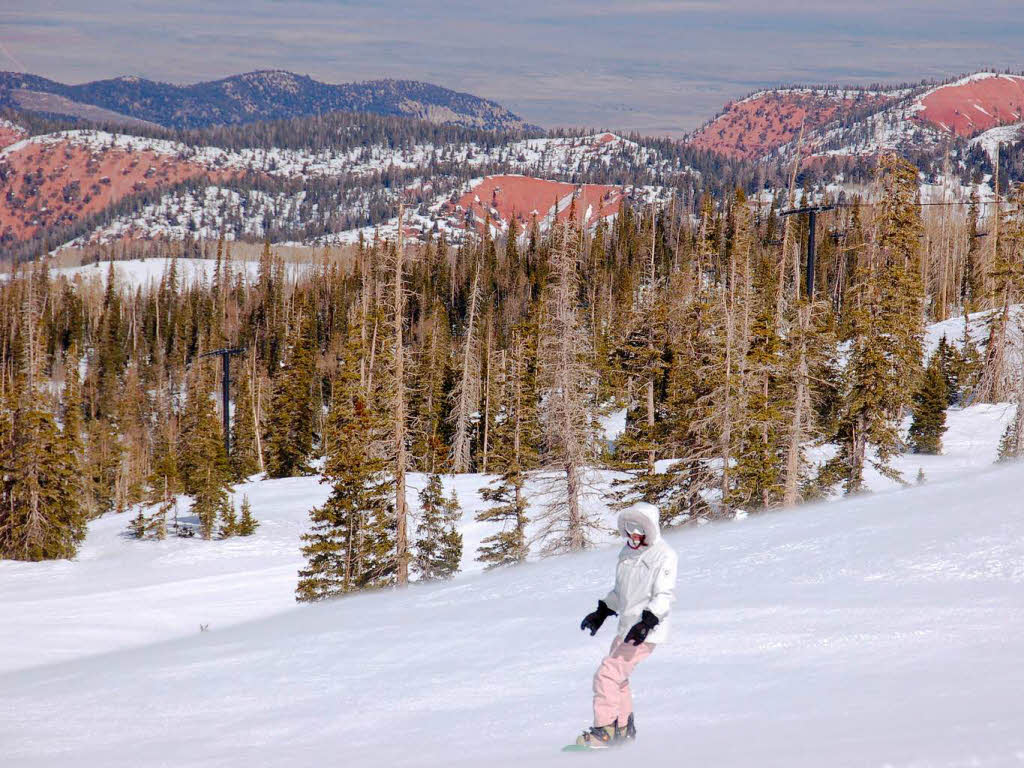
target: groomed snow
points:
(881, 631)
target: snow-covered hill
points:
(862, 122)
(885, 630)
(199, 211)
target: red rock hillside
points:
(49, 183)
(755, 126)
(974, 104)
(502, 198)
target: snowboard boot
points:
(627, 734)
(598, 737)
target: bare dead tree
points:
(568, 407)
(801, 409)
(399, 407)
(466, 394)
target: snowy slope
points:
(881, 631)
(145, 273)
(122, 593)
(991, 139)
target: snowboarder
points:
(645, 580)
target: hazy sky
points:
(659, 66)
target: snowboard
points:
(584, 748)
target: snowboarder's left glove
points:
(638, 632)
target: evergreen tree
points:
(289, 436)
(508, 546)
(352, 541)
(139, 525)
(102, 463)
(204, 465)
(439, 543)
(247, 523)
(887, 328)
(696, 372)
(427, 396)
(758, 474)
(930, 402)
(42, 515)
(244, 458)
(515, 439)
(950, 364)
(1011, 445)
(228, 520)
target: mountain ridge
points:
(259, 95)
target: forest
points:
(499, 357)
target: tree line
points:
(501, 357)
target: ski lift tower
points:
(225, 357)
(812, 212)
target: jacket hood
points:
(643, 514)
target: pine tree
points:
(209, 500)
(427, 397)
(930, 402)
(244, 457)
(515, 438)
(439, 543)
(139, 525)
(352, 541)
(103, 451)
(42, 514)
(289, 428)
(640, 354)
(228, 520)
(758, 474)
(204, 465)
(696, 376)
(950, 364)
(157, 527)
(887, 328)
(1011, 445)
(247, 523)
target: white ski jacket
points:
(645, 578)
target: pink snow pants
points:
(612, 697)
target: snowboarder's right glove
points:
(638, 633)
(594, 620)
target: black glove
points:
(594, 620)
(638, 632)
